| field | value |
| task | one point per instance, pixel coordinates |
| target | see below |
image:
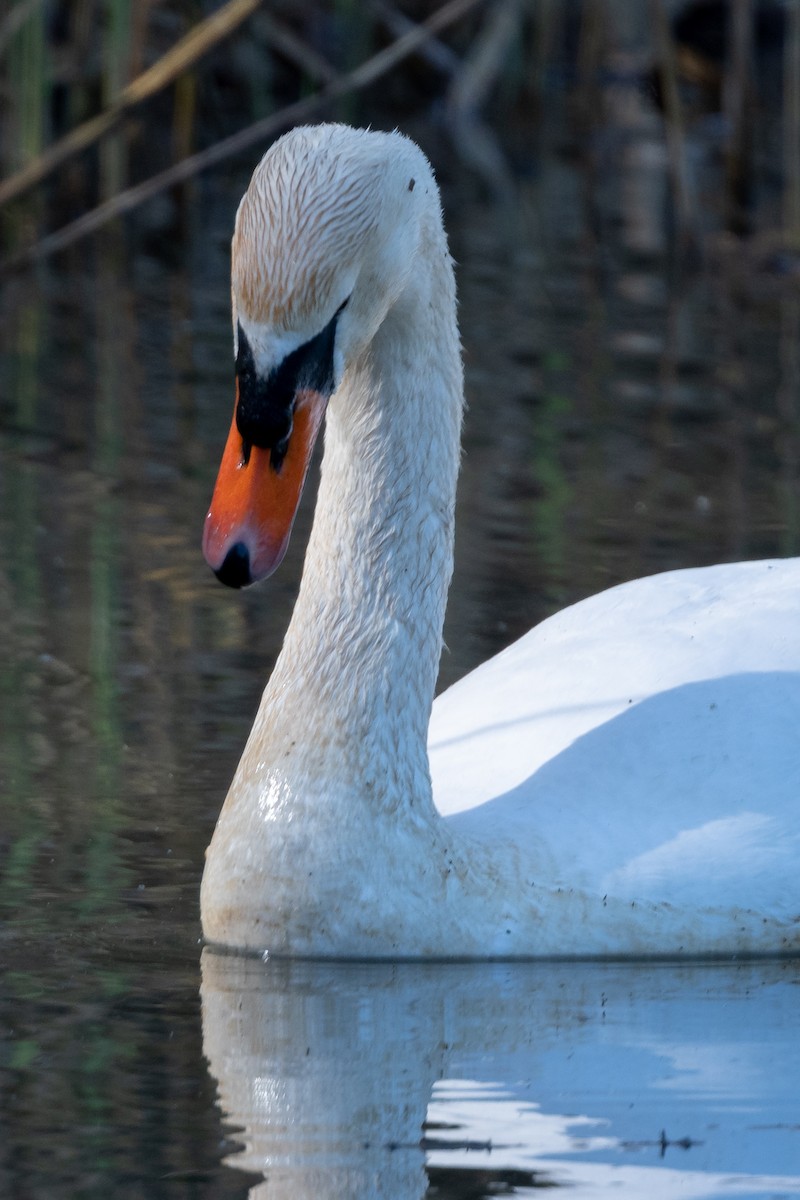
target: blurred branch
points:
(479, 73)
(189, 49)
(673, 119)
(293, 48)
(486, 57)
(362, 76)
(437, 53)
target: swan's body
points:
(623, 781)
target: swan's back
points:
(646, 742)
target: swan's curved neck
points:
(352, 689)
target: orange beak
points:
(253, 507)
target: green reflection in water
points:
(62, 874)
(22, 587)
(60, 829)
(104, 872)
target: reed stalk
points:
(355, 38)
(116, 73)
(737, 105)
(24, 128)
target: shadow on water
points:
(627, 413)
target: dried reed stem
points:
(362, 76)
(189, 49)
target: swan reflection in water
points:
(364, 1081)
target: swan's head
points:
(324, 245)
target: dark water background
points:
(633, 406)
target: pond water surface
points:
(629, 411)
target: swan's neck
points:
(345, 714)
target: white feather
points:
(623, 781)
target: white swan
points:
(625, 780)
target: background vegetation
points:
(106, 103)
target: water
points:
(657, 1081)
(628, 412)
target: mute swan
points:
(623, 781)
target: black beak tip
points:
(235, 570)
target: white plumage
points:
(623, 781)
